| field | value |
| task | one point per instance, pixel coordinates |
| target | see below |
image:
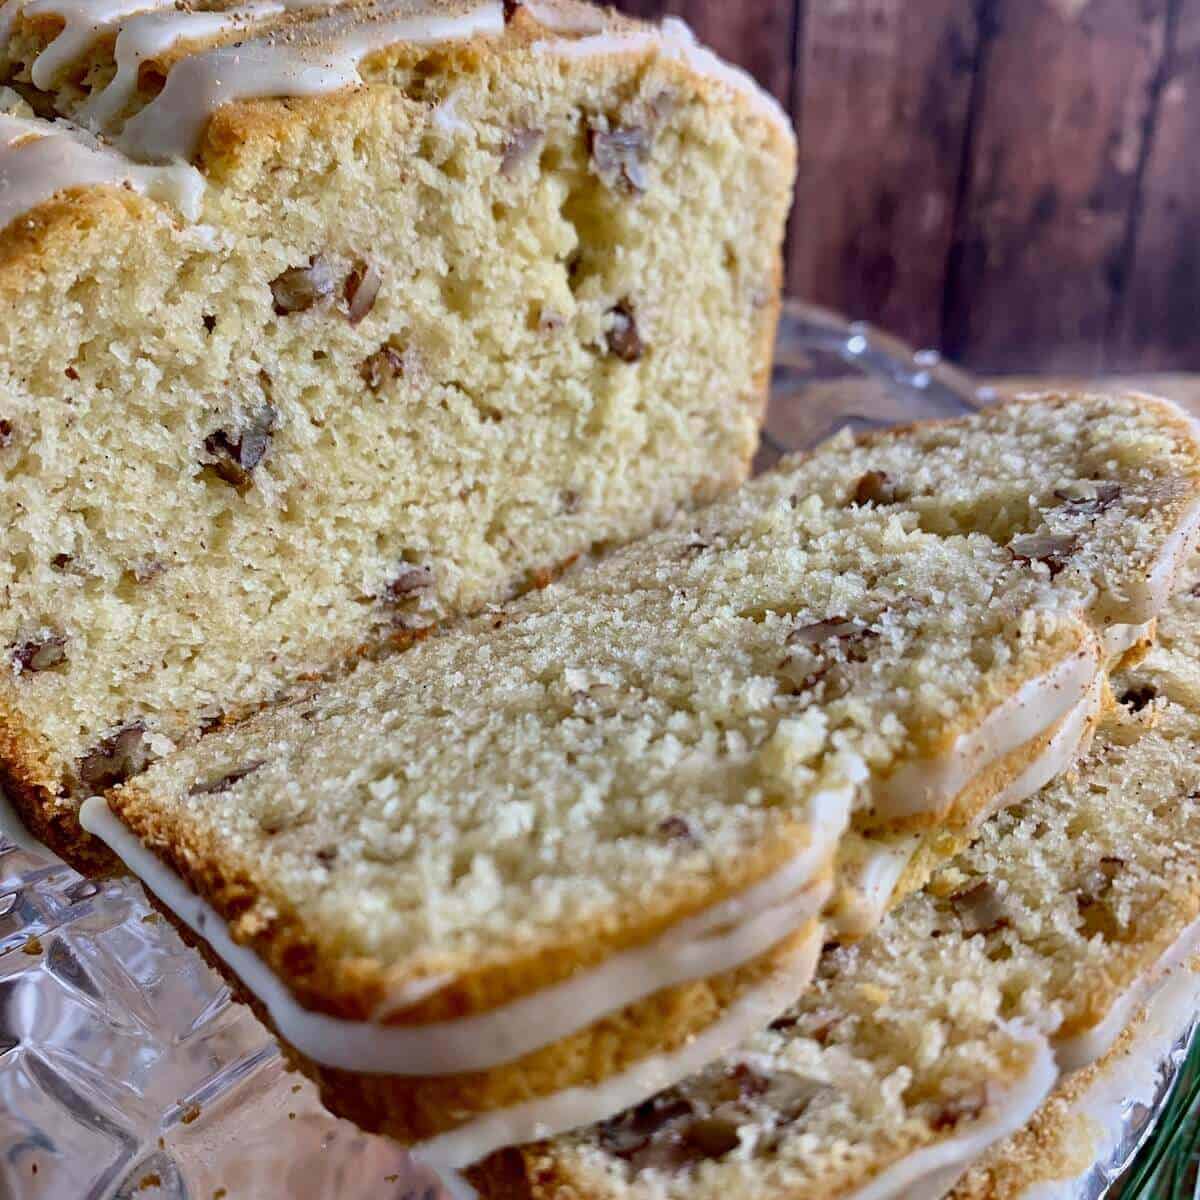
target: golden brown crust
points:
(34, 787)
(538, 1172)
(1055, 1144)
(415, 1108)
(963, 809)
(323, 978)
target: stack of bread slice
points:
(554, 858)
(329, 331)
(1069, 926)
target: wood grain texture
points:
(1064, 95)
(882, 105)
(1009, 180)
(1157, 325)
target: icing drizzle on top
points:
(84, 21)
(39, 159)
(147, 36)
(324, 57)
(272, 57)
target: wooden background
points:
(1016, 182)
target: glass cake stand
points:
(127, 1069)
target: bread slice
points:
(1066, 917)
(459, 298)
(1076, 1138)
(550, 845)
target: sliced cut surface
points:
(1083, 494)
(355, 361)
(1078, 1135)
(666, 743)
(1067, 916)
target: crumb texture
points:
(647, 734)
(1061, 904)
(428, 340)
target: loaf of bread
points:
(1157, 969)
(920, 1045)
(553, 857)
(321, 322)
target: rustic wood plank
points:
(882, 107)
(1158, 322)
(648, 10)
(1065, 90)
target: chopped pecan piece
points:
(629, 1133)
(619, 157)
(223, 783)
(382, 367)
(236, 455)
(519, 149)
(823, 631)
(711, 1137)
(677, 829)
(874, 487)
(1049, 548)
(624, 340)
(42, 653)
(118, 757)
(360, 290)
(411, 579)
(980, 908)
(299, 288)
(6, 432)
(1137, 698)
(1089, 496)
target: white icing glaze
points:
(928, 785)
(39, 159)
(1084, 1048)
(326, 59)
(719, 939)
(446, 119)
(1058, 754)
(869, 867)
(149, 35)
(84, 22)
(573, 1107)
(456, 1184)
(1128, 1080)
(1148, 594)
(674, 40)
(930, 1172)
(1119, 638)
